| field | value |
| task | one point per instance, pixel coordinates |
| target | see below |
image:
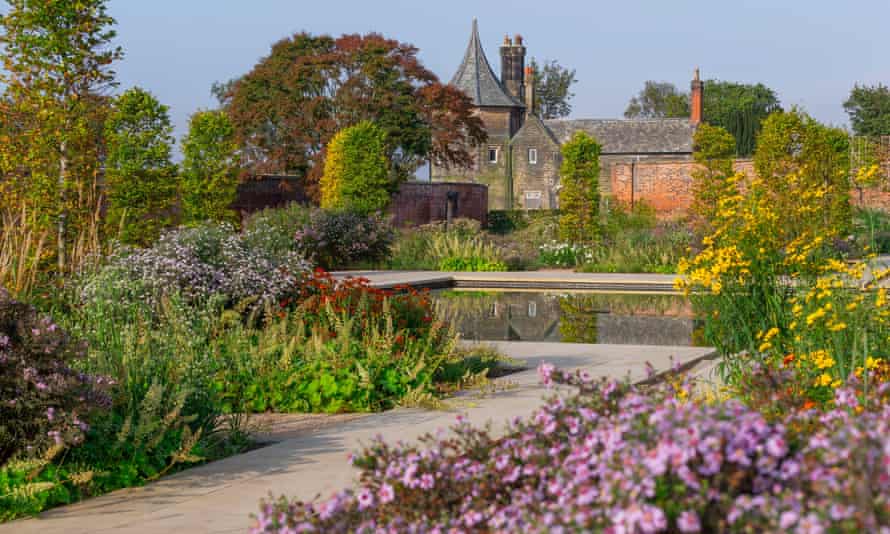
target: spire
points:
(476, 78)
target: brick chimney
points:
(529, 90)
(696, 100)
(513, 67)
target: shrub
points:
(456, 252)
(342, 345)
(714, 152)
(337, 239)
(44, 401)
(197, 263)
(579, 197)
(563, 254)
(616, 458)
(209, 180)
(356, 170)
(273, 229)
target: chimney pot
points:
(517, 40)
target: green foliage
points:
(356, 171)
(869, 110)
(714, 151)
(739, 109)
(553, 84)
(209, 175)
(460, 247)
(57, 58)
(796, 154)
(507, 221)
(579, 197)
(276, 227)
(139, 174)
(658, 100)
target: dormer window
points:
(533, 156)
(492, 154)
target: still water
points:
(625, 318)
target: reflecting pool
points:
(619, 318)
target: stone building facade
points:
(520, 162)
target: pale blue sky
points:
(810, 52)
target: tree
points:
(287, 109)
(553, 84)
(801, 161)
(57, 58)
(869, 110)
(714, 150)
(658, 100)
(209, 177)
(740, 109)
(139, 175)
(356, 171)
(736, 107)
(579, 197)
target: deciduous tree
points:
(57, 59)
(295, 100)
(209, 176)
(869, 110)
(579, 196)
(658, 100)
(139, 174)
(553, 84)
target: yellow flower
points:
(823, 380)
(815, 316)
(765, 346)
(837, 327)
(871, 363)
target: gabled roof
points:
(630, 136)
(475, 77)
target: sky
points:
(810, 52)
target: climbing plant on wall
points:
(579, 197)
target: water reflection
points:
(629, 319)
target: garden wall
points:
(667, 186)
(425, 202)
(268, 191)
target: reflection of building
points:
(591, 318)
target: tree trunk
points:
(63, 213)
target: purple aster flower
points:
(386, 494)
(688, 522)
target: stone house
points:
(521, 159)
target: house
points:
(520, 162)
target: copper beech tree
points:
(309, 87)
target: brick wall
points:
(425, 202)
(666, 185)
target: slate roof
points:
(475, 77)
(630, 136)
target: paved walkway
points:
(219, 497)
(521, 280)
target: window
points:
(492, 154)
(533, 156)
(533, 200)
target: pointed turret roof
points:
(475, 77)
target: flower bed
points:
(619, 459)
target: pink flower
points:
(688, 522)
(365, 498)
(386, 493)
(545, 370)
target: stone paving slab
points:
(521, 279)
(220, 496)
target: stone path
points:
(642, 282)
(219, 497)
